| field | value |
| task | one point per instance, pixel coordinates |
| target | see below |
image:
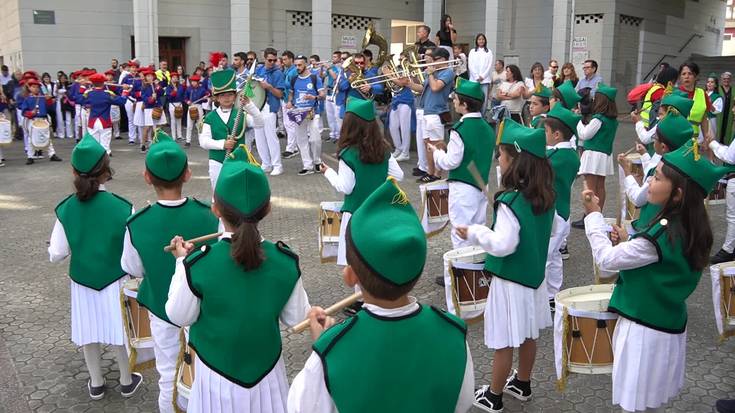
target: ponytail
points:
(88, 184)
(246, 244)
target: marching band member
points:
(95, 246)
(334, 72)
(470, 141)
(421, 163)
(539, 105)
(64, 109)
(167, 170)
(100, 100)
(217, 131)
(175, 93)
(194, 95)
(566, 95)
(238, 306)
(363, 92)
(517, 307)
(659, 268)
(73, 93)
(415, 354)
(151, 94)
(289, 73)
(34, 106)
(135, 84)
(401, 109)
(302, 109)
(110, 77)
(266, 140)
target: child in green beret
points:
(539, 105)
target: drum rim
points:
(476, 251)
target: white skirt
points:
(649, 365)
(342, 246)
(515, 313)
(96, 316)
(211, 392)
(138, 115)
(148, 118)
(596, 163)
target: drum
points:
(156, 113)
(137, 326)
(717, 196)
(434, 206)
(40, 130)
(469, 281)
(583, 331)
(193, 113)
(629, 212)
(6, 131)
(330, 220)
(185, 371)
(723, 297)
(178, 112)
(115, 113)
(259, 94)
(636, 166)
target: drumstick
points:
(203, 238)
(472, 168)
(333, 309)
(330, 158)
(629, 151)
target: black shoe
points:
(187, 144)
(55, 158)
(564, 252)
(418, 172)
(280, 135)
(142, 148)
(521, 390)
(486, 401)
(306, 172)
(352, 309)
(38, 154)
(96, 393)
(129, 390)
(427, 179)
(76, 140)
(552, 304)
(722, 256)
(29, 161)
(317, 167)
(287, 154)
(725, 406)
(439, 281)
(131, 142)
(117, 138)
(578, 224)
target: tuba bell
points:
(374, 38)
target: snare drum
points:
(115, 113)
(717, 196)
(156, 113)
(723, 297)
(469, 282)
(185, 371)
(6, 131)
(636, 166)
(193, 113)
(434, 206)
(178, 111)
(137, 325)
(583, 331)
(330, 220)
(40, 131)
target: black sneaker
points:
(96, 393)
(306, 172)
(564, 251)
(552, 304)
(117, 138)
(418, 172)
(142, 148)
(521, 390)
(187, 144)
(439, 280)
(76, 140)
(55, 158)
(317, 167)
(289, 154)
(486, 401)
(578, 224)
(725, 406)
(131, 142)
(29, 161)
(280, 135)
(722, 256)
(353, 308)
(129, 390)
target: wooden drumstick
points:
(333, 309)
(629, 151)
(203, 238)
(472, 168)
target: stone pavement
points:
(43, 371)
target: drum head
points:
(473, 254)
(589, 298)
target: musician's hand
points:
(635, 116)
(244, 100)
(179, 247)
(461, 231)
(480, 78)
(323, 167)
(431, 148)
(641, 149)
(625, 163)
(230, 144)
(126, 86)
(365, 89)
(265, 85)
(430, 70)
(618, 234)
(590, 201)
(289, 105)
(319, 321)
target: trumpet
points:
(318, 64)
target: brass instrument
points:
(408, 70)
(413, 59)
(356, 75)
(374, 38)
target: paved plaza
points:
(42, 371)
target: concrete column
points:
(321, 28)
(145, 30)
(433, 16)
(239, 26)
(561, 30)
(492, 26)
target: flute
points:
(203, 238)
(333, 309)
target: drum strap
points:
(180, 365)
(561, 384)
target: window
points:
(727, 37)
(44, 17)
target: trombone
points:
(408, 70)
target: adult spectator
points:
(567, 73)
(162, 74)
(688, 73)
(5, 75)
(422, 41)
(447, 36)
(498, 78)
(461, 69)
(552, 72)
(536, 77)
(480, 66)
(241, 70)
(724, 119)
(115, 67)
(510, 92)
(202, 66)
(591, 78)
(711, 88)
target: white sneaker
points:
(266, 169)
(277, 171)
(396, 153)
(403, 157)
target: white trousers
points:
(290, 127)
(214, 170)
(166, 346)
(266, 141)
(102, 135)
(132, 129)
(192, 124)
(175, 123)
(64, 122)
(554, 262)
(309, 141)
(30, 151)
(78, 125)
(333, 119)
(729, 244)
(420, 146)
(400, 127)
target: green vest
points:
(415, 363)
(603, 139)
(150, 229)
(565, 163)
(368, 177)
(648, 211)
(237, 332)
(526, 266)
(479, 143)
(221, 131)
(655, 295)
(699, 110)
(95, 231)
(536, 121)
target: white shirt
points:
(636, 253)
(480, 64)
(182, 307)
(504, 239)
(645, 135)
(309, 394)
(254, 119)
(498, 78)
(723, 152)
(452, 158)
(516, 104)
(5, 79)
(588, 131)
(343, 180)
(717, 104)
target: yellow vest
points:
(699, 110)
(648, 104)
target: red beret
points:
(195, 78)
(98, 78)
(110, 72)
(175, 74)
(31, 82)
(31, 73)
(133, 63)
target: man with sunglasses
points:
(551, 72)
(265, 138)
(363, 92)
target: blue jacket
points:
(175, 95)
(99, 101)
(31, 103)
(151, 96)
(274, 76)
(195, 93)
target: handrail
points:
(643, 79)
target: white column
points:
(321, 28)
(433, 16)
(239, 26)
(492, 26)
(145, 30)
(561, 30)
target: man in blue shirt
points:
(289, 73)
(435, 97)
(591, 79)
(334, 72)
(365, 91)
(303, 110)
(265, 138)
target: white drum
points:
(184, 371)
(434, 206)
(469, 283)
(723, 297)
(137, 327)
(115, 113)
(40, 131)
(6, 131)
(330, 220)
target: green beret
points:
(165, 159)
(87, 154)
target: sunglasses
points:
(272, 60)
(360, 63)
(586, 67)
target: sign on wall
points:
(348, 42)
(579, 42)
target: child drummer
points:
(174, 97)
(195, 93)
(539, 105)
(148, 230)
(100, 101)
(34, 106)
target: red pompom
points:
(215, 57)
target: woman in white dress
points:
(480, 65)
